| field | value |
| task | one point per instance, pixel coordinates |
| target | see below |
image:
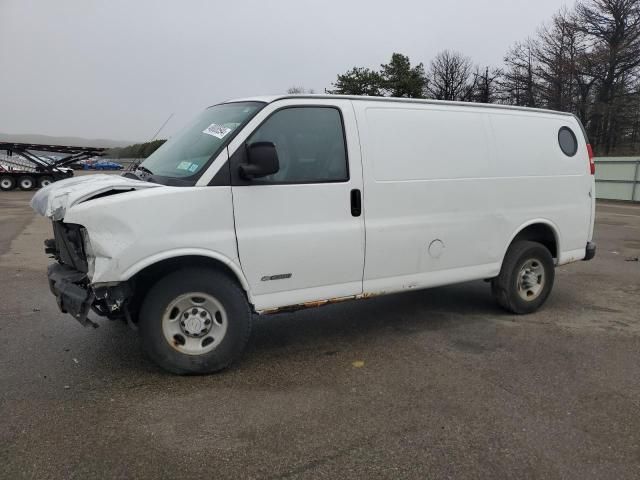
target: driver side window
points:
(310, 145)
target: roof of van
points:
(273, 98)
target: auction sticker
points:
(218, 131)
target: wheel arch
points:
(539, 230)
(146, 272)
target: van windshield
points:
(188, 151)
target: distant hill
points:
(74, 141)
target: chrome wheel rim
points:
(45, 182)
(26, 184)
(6, 183)
(194, 323)
(531, 279)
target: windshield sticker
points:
(184, 166)
(193, 167)
(215, 130)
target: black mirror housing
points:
(262, 160)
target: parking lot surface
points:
(427, 384)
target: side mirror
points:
(262, 160)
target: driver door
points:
(300, 231)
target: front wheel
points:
(195, 321)
(525, 279)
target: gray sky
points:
(117, 69)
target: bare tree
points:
(519, 83)
(612, 28)
(556, 53)
(486, 85)
(450, 77)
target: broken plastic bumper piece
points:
(70, 289)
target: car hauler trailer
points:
(22, 168)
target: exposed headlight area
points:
(69, 246)
(89, 255)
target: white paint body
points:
(445, 189)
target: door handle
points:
(356, 202)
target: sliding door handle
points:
(356, 202)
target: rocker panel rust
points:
(318, 303)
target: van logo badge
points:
(281, 276)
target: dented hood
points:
(53, 200)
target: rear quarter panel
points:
(535, 179)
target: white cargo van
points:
(276, 203)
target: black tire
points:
(7, 183)
(180, 283)
(506, 287)
(44, 181)
(26, 182)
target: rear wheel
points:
(44, 181)
(525, 279)
(26, 182)
(195, 321)
(7, 183)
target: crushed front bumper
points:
(71, 291)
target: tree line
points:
(586, 61)
(138, 150)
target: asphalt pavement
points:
(428, 384)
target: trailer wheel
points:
(7, 183)
(44, 181)
(26, 182)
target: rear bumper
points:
(72, 294)
(590, 251)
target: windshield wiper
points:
(144, 169)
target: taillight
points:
(592, 164)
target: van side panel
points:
(428, 210)
(446, 188)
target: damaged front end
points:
(69, 278)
